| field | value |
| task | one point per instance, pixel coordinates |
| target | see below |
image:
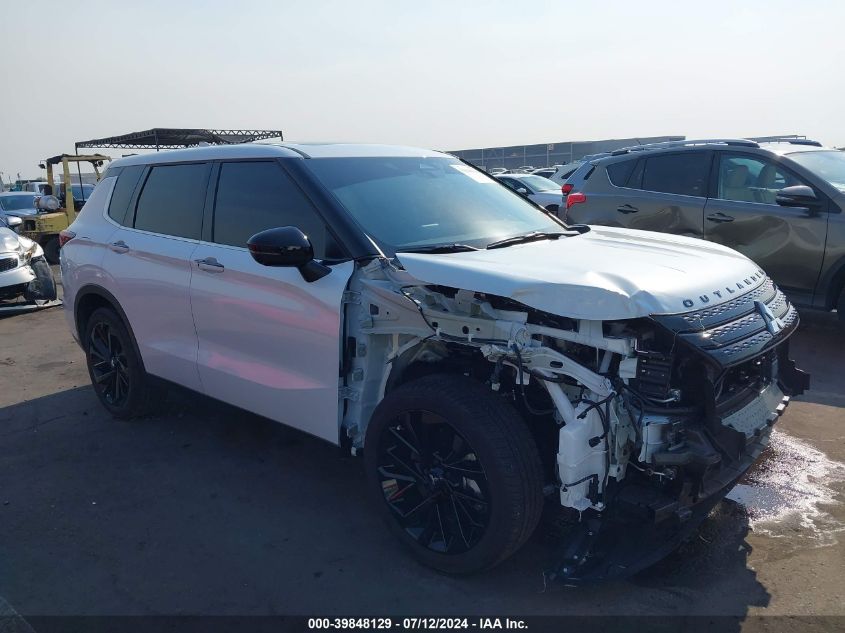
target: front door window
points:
(751, 179)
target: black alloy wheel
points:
(434, 482)
(454, 472)
(109, 365)
(115, 367)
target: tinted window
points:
(751, 179)
(619, 172)
(252, 197)
(635, 180)
(172, 200)
(123, 190)
(684, 174)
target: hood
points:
(603, 274)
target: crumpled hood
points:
(607, 273)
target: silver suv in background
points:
(782, 204)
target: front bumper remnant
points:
(641, 524)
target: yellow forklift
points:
(57, 210)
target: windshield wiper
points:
(440, 248)
(534, 236)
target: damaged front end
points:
(642, 424)
(26, 280)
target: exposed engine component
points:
(637, 421)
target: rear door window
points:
(684, 173)
(254, 196)
(172, 200)
(123, 190)
(620, 172)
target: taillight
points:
(575, 198)
(65, 237)
(567, 188)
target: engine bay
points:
(637, 423)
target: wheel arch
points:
(92, 297)
(833, 283)
(432, 357)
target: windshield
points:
(17, 203)
(829, 165)
(538, 183)
(405, 203)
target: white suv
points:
(484, 357)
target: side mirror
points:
(797, 196)
(14, 222)
(522, 190)
(288, 247)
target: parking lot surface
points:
(204, 509)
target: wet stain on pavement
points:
(795, 492)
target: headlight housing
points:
(26, 250)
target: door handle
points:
(210, 265)
(119, 246)
(627, 208)
(720, 217)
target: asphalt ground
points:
(205, 509)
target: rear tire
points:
(116, 371)
(51, 250)
(455, 473)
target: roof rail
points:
(740, 142)
(799, 141)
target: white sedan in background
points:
(541, 190)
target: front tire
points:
(116, 371)
(455, 472)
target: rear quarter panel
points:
(81, 258)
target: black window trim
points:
(348, 234)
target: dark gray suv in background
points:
(781, 204)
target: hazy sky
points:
(445, 75)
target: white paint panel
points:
(269, 342)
